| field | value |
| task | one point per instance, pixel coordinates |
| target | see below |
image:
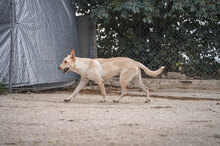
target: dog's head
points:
(68, 62)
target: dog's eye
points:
(65, 61)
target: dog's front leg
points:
(81, 84)
(102, 89)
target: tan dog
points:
(101, 69)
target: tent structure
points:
(35, 36)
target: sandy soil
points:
(44, 119)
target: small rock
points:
(163, 76)
(175, 75)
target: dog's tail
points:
(150, 72)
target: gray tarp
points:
(44, 33)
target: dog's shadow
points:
(109, 101)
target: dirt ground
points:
(44, 119)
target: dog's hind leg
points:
(127, 74)
(137, 81)
(102, 88)
(123, 91)
(82, 83)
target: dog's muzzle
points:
(66, 70)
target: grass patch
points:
(3, 89)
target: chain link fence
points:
(181, 35)
(190, 49)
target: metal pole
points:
(92, 39)
(92, 36)
(12, 47)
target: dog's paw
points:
(147, 101)
(67, 100)
(115, 101)
(103, 101)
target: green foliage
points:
(2, 88)
(182, 35)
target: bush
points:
(2, 88)
(182, 35)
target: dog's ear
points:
(72, 56)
